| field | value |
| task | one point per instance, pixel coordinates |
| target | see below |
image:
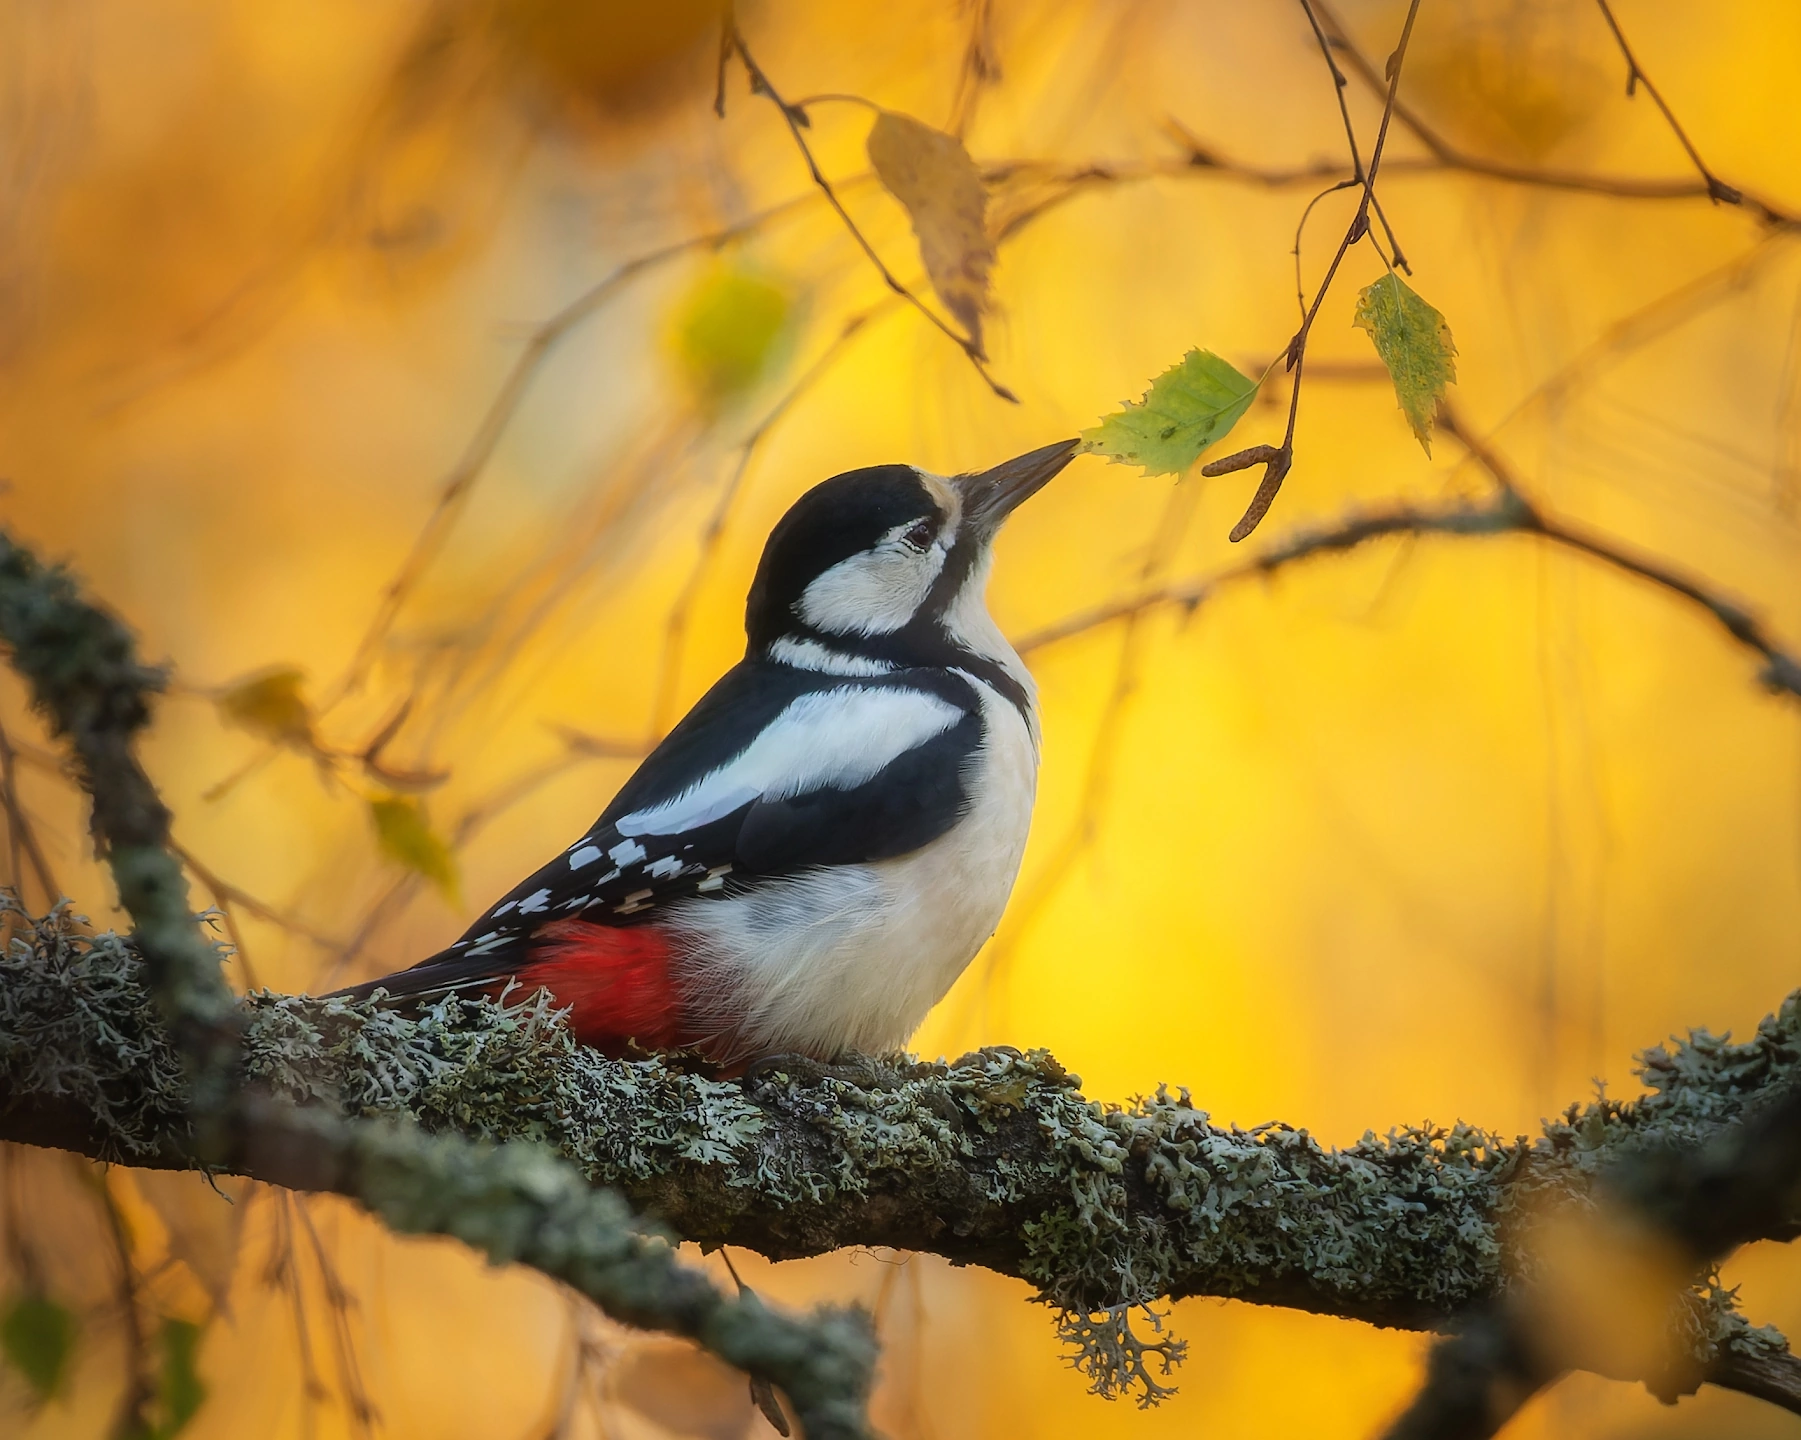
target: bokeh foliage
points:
(1437, 830)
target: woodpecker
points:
(814, 854)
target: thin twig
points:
(981, 68)
(1507, 512)
(134, 1403)
(1782, 669)
(1278, 460)
(283, 1272)
(224, 893)
(1717, 189)
(1453, 157)
(234, 934)
(400, 891)
(339, 1302)
(713, 532)
(21, 834)
(1350, 134)
(795, 117)
(454, 489)
(1200, 160)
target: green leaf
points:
(728, 328)
(1414, 343)
(37, 1336)
(1187, 408)
(407, 838)
(269, 703)
(181, 1390)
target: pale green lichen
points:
(123, 1083)
(1104, 1208)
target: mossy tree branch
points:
(485, 1121)
(997, 1160)
(514, 1200)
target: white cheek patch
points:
(837, 739)
(872, 593)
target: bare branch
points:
(795, 117)
(454, 490)
(1508, 512)
(1717, 189)
(21, 834)
(1350, 134)
(981, 67)
(225, 893)
(1459, 159)
(713, 532)
(1278, 460)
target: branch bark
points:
(997, 1160)
(485, 1121)
(191, 1064)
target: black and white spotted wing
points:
(837, 771)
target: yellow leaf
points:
(407, 838)
(728, 329)
(932, 175)
(269, 703)
(1414, 343)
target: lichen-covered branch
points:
(193, 1064)
(484, 1120)
(1666, 1214)
(997, 1160)
(88, 683)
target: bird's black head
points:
(884, 559)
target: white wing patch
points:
(835, 739)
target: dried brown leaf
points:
(931, 174)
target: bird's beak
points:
(990, 496)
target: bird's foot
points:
(865, 1072)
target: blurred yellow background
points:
(1438, 829)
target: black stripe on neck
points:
(921, 644)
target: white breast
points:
(852, 957)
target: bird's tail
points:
(432, 978)
(616, 982)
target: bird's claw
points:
(860, 1071)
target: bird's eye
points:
(921, 535)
